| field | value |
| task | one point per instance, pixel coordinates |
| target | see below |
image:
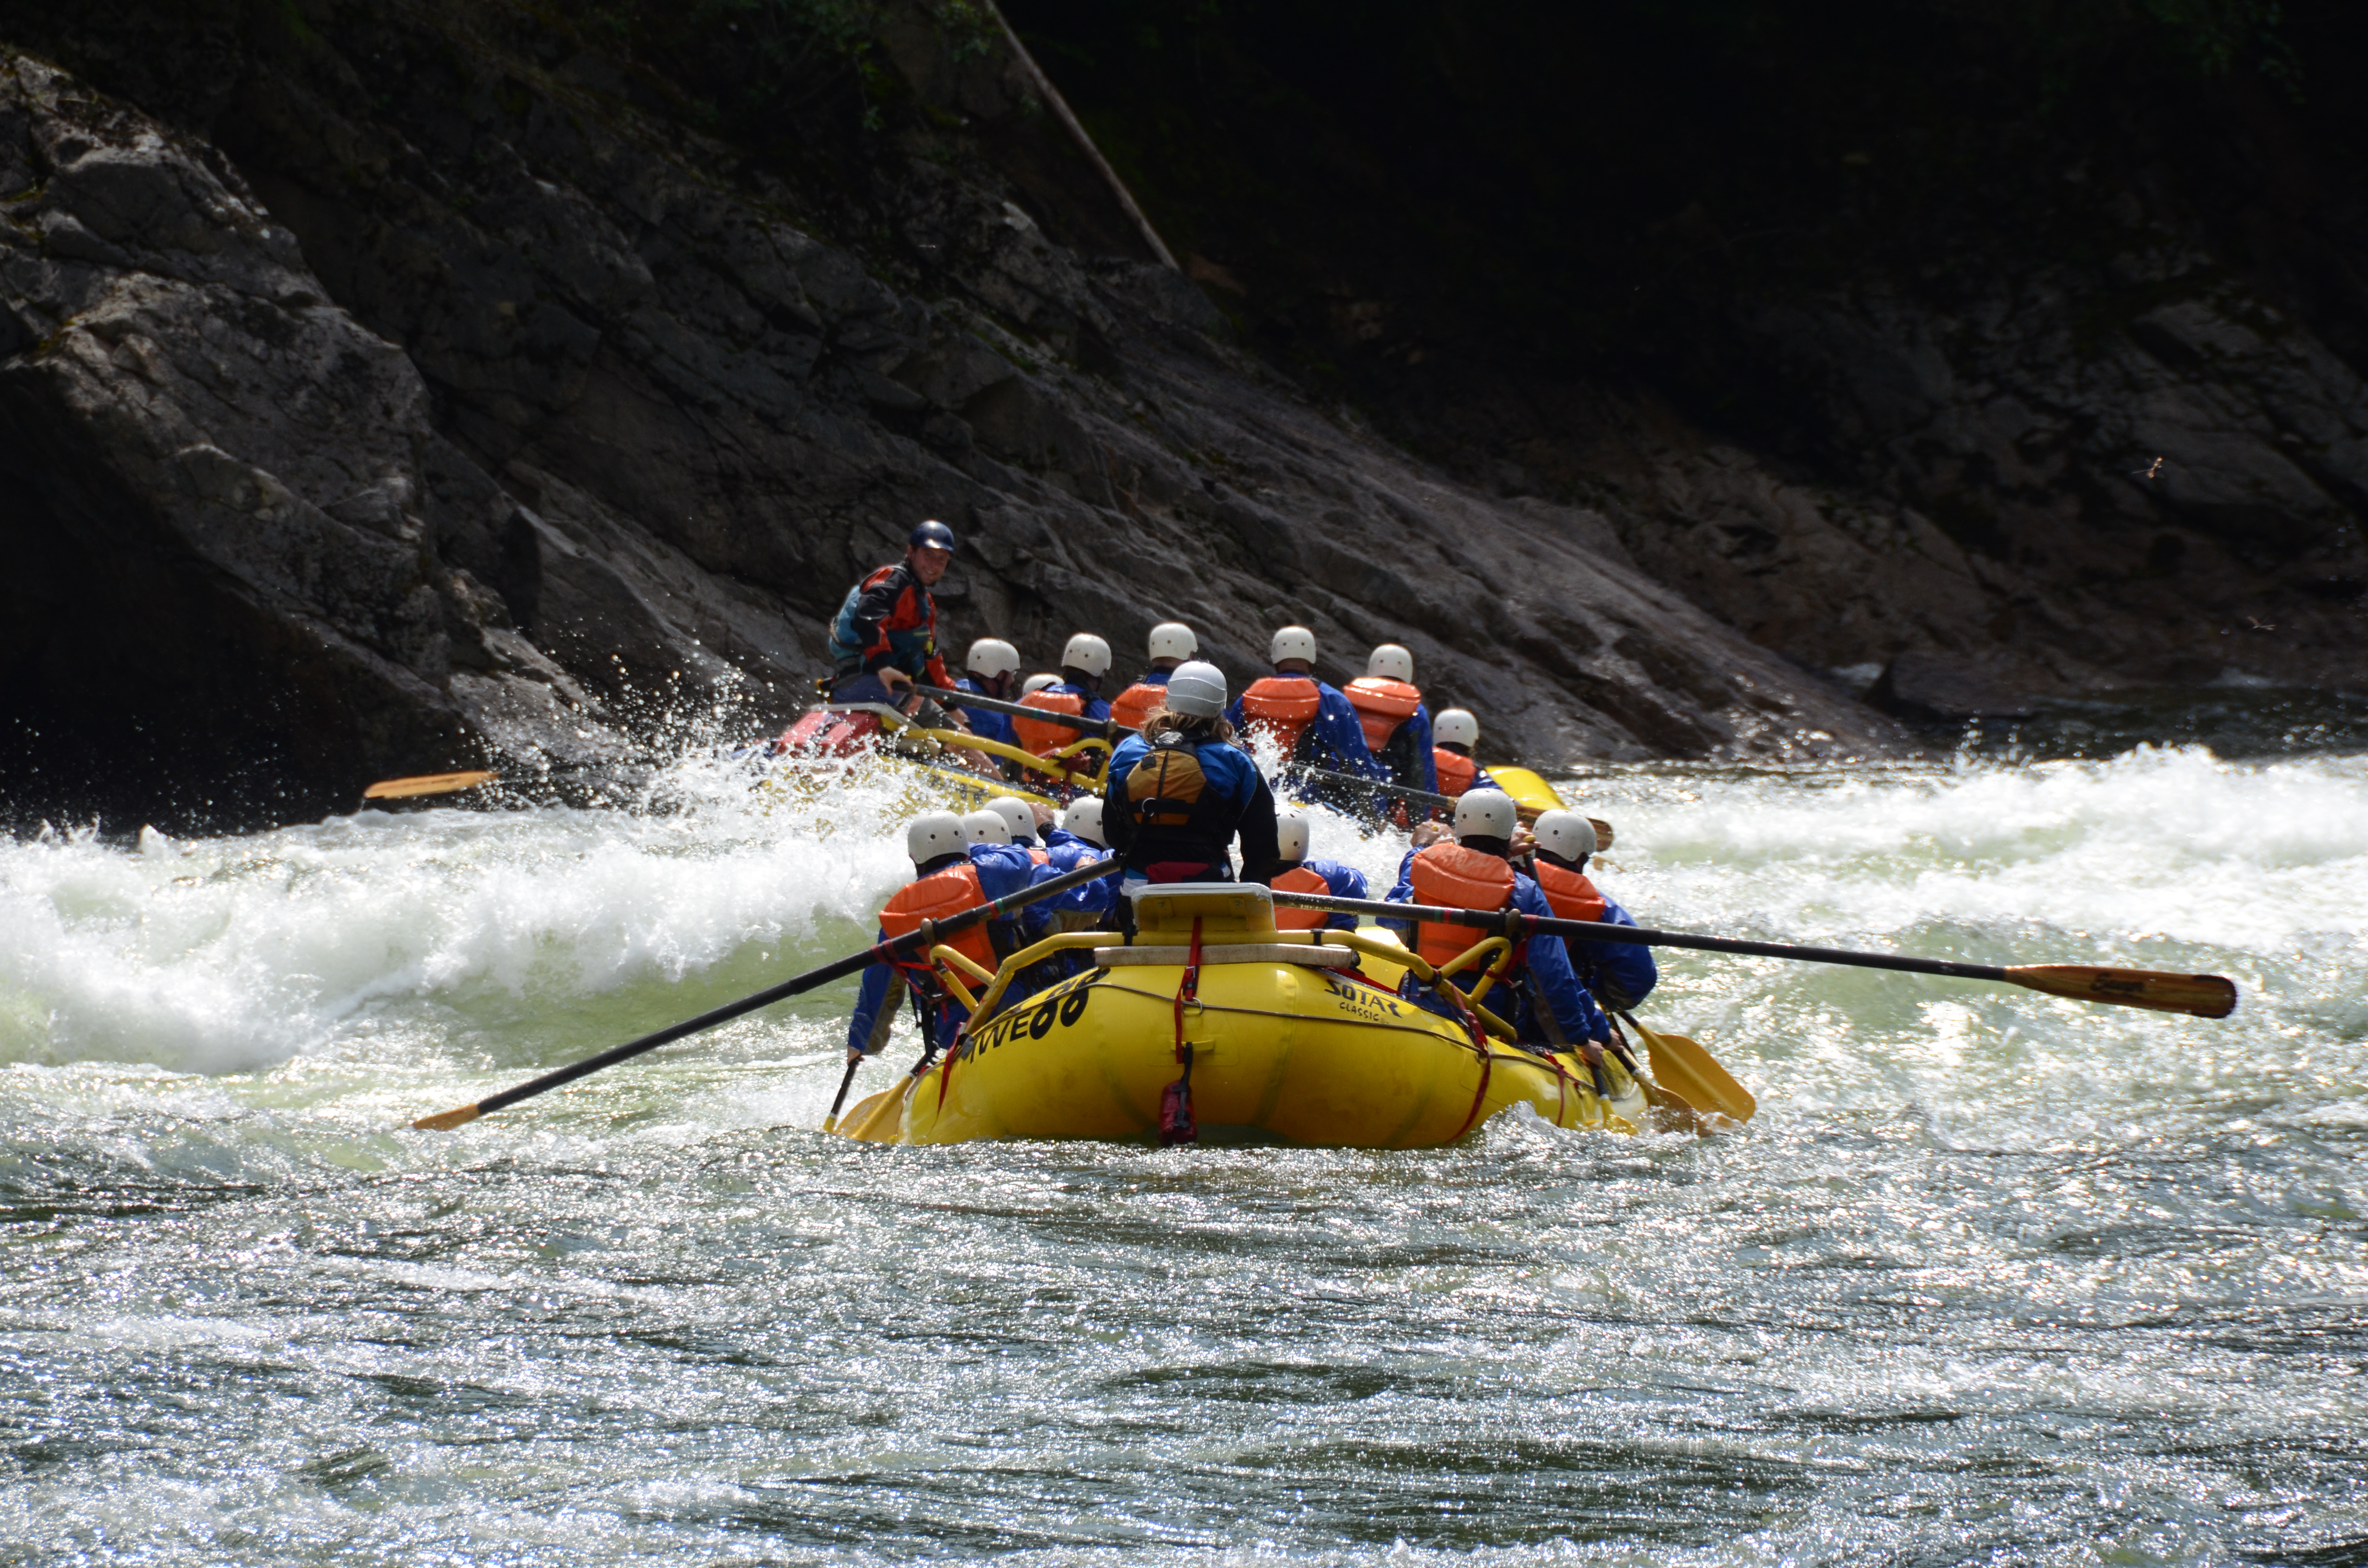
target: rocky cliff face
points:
(2020, 347)
(383, 384)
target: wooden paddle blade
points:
(445, 1121)
(2205, 995)
(1695, 1073)
(1602, 834)
(426, 784)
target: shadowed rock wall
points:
(393, 382)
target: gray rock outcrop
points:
(407, 388)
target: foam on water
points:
(1993, 1277)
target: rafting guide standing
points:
(885, 635)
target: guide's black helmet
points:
(931, 535)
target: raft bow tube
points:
(1297, 1038)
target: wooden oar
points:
(426, 784)
(453, 783)
(2204, 995)
(1694, 1072)
(924, 936)
(1109, 728)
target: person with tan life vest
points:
(1170, 644)
(1551, 1006)
(885, 635)
(952, 873)
(1390, 710)
(1621, 975)
(1308, 720)
(1295, 872)
(1451, 739)
(1181, 792)
(1077, 693)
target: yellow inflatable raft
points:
(1294, 1037)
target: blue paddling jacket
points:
(1185, 810)
(1322, 733)
(986, 725)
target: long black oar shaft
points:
(2205, 995)
(926, 935)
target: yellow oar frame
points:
(960, 740)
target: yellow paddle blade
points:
(877, 1119)
(1691, 1072)
(1533, 797)
(1532, 794)
(2205, 995)
(426, 784)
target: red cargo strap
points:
(1176, 1125)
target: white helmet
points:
(986, 828)
(1566, 834)
(1084, 818)
(1173, 639)
(993, 656)
(1088, 653)
(1291, 643)
(1036, 682)
(1197, 691)
(1290, 835)
(1390, 661)
(1455, 727)
(1486, 814)
(1016, 816)
(933, 833)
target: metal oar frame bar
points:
(922, 936)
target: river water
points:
(1991, 1277)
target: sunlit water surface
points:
(1991, 1277)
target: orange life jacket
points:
(1044, 739)
(1039, 857)
(1299, 879)
(1448, 874)
(1455, 773)
(934, 897)
(1381, 706)
(1136, 703)
(1573, 896)
(1281, 706)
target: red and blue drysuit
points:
(889, 620)
(1003, 869)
